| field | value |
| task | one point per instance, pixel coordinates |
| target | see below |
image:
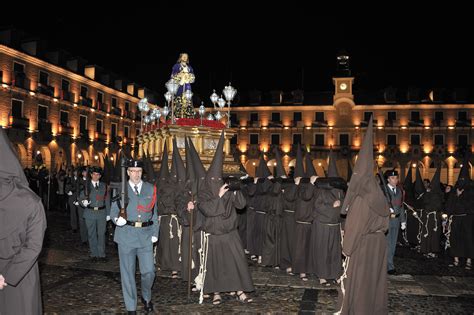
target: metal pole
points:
(190, 251)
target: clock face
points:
(343, 86)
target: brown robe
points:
(365, 246)
(22, 227)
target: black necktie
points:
(136, 189)
(394, 190)
(97, 186)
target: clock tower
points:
(343, 98)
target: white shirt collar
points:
(392, 187)
(139, 185)
(94, 183)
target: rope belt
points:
(180, 231)
(303, 222)
(201, 277)
(448, 233)
(427, 220)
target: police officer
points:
(397, 216)
(135, 236)
(95, 199)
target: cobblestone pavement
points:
(74, 285)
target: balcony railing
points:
(67, 96)
(116, 111)
(365, 123)
(319, 123)
(20, 122)
(415, 123)
(85, 101)
(66, 129)
(102, 106)
(464, 123)
(391, 123)
(21, 81)
(275, 124)
(101, 136)
(45, 89)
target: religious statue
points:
(183, 74)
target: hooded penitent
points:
(349, 169)
(299, 170)
(363, 182)
(433, 199)
(419, 187)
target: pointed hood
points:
(419, 187)
(199, 170)
(215, 169)
(242, 169)
(117, 169)
(299, 169)
(280, 171)
(310, 171)
(178, 163)
(332, 167)
(107, 170)
(10, 167)
(191, 181)
(148, 166)
(262, 170)
(363, 182)
(16, 198)
(464, 172)
(164, 169)
(435, 185)
(408, 187)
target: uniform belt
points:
(139, 223)
(303, 222)
(393, 215)
(261, 212)
(289, 211)
(96, 208)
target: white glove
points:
(85, 203)
(76, 203)
(404, 225)
(392, 211)
(154, 239)
(107, 218)
(69, 193)
(120, 221)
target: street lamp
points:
(156, 113)
(214, 98)
(202, 111)
(165, 111)
(229, 94)
(172, 87)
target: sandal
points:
(217, 299)
(324, 282)
(304, 278)
(174, 275)
(244, 300)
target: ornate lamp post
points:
(143, 107)
(156, 114)
(229, 94)
(172, 87)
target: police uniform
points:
(134, 240)
(396, 217)
(95, 215)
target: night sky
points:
(255, 48)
